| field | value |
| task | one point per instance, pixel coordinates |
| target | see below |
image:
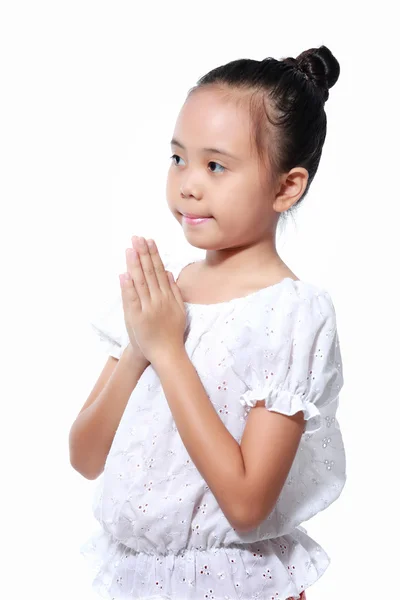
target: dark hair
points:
(291, 94)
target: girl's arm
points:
(245, 484)
(93, 430)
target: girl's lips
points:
(194, 216)
(195, 221)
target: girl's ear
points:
(292, 187)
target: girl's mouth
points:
(198, 221)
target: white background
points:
(90, 92)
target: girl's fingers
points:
(160, 274)
(129, 295)
(149, 274)
(134, 268)
(147, 270)
(175, 290)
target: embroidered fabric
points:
(162, 534)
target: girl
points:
(214, 419)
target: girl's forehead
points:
(214, 109)
(207, 120)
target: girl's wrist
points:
(135, 355)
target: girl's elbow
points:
(245, 526)
(252, 517)
(247, 521)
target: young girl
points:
(213, 422)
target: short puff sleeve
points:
(289, 355)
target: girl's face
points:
(231, 188)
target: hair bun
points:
(320, 65)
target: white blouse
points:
(162, 534)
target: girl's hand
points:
(134, 349)
(155, 314)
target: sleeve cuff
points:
(284, 402)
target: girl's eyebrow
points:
(175, 142)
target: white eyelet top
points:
(162, 534)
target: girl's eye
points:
(210, 163)
(174, 155)
(218, 165)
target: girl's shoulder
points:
(287, 298)
(271, 300)
(290, 311)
